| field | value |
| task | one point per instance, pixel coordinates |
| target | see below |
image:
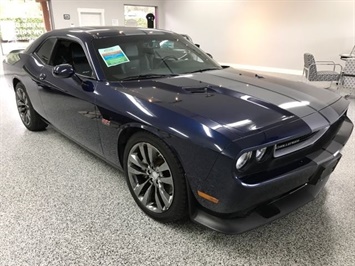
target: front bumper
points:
(262, 203)
(265, 213)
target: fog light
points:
(260, 154)
(243, 159)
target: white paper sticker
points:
(113, 56)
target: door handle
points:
(42, 76)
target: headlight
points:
(260, 153)
(243, 159)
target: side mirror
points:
(63, 71)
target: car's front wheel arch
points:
(129, 130)
(15, 81)
(155, 177)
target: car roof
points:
(87, 34)
(103, 32)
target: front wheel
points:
(155, 178)
(30, 118)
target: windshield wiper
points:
(204, 69)
(148, 76)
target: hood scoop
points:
(200, 89)
(189, 86)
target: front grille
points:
(274, 167)
(296, 144)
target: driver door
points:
(69, 103)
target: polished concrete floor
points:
(60, 205)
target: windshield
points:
(150, 56)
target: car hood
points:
(240, 101)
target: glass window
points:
(79, 60)
(54, 52)
(45, 51)
(69, 52)
(20, 23)
(61, 53)
(150, 56)
(135, 16)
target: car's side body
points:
(207, 119)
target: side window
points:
(45, 51)
(61, 53)
(69, 52)
(80, 62)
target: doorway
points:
(91, 17)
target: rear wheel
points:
(30, 118)
(155, 178)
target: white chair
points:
(348, 77)
(312, 74)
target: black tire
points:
(29, 117)
(155, 178)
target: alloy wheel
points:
(150, 177)
(23, 106)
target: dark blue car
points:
(230, 149)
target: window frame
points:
(52, 54)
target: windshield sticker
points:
(113, 56)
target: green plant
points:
(27, 28)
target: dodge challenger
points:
(229, 149)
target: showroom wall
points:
(261, 34)
(113, 10)
(266, 34)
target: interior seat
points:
(79, 60)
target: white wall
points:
(112, 10)
(265, 33)
(269, 34)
